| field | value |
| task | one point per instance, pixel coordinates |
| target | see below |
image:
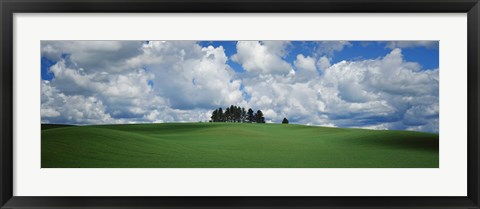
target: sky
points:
(388, 85)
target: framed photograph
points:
(237, 104)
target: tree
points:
(227, 114)
(250, 116)
(235, 114)
(221, 116)
(259, 117)
(233, 110)
(238, 114)
(214, 116)
(285, 121)
(243, 115)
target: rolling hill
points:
(234, 145)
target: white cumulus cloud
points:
(158, 81)
(99, 82)
(261, 58)
(411, 44)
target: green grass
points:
(227, 145)
(50, 126)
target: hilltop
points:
(234, 145)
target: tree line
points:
(234, 114)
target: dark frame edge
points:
(242, 202)
(240, 6)
(6, 95)
(473, 46)
(7, 200)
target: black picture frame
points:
(9, 7)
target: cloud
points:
(111, 56)
(57, 107)
(76, 80)
(306, 68)
(412, 44)
(167, 81)
(328, 48)
(277, 47)
(384, 93)
(281, 97)
(262, 57)
(161, 81)
(190, 76)
(323, 63)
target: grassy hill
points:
(50, 126)
(227, 145)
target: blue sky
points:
(374, 84)
(359, 50)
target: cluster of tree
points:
(236, 114)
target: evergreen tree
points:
(232, 113)
(243, 115)
(259, 117)
(214, 116)
(285, 121)
(221, 116)
(250, 116)
(227, 114)
(236, 114)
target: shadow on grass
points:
(52, 126)
(159, 127)
(411, 141)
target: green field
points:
(234, 145)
